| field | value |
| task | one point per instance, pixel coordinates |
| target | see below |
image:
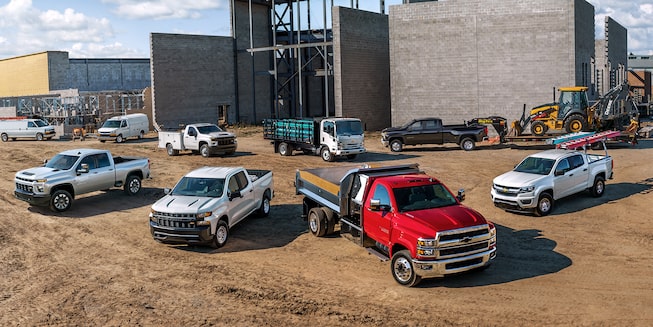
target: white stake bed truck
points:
(207, 139)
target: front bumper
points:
(526, 202)
(173, 235)
(215, 148)
(346, 152)
(441, 268)
(33, 199)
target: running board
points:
(378, 254)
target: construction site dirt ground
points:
(589, 263)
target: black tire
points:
(351, 156)
(403, 270)
(171, 151)
(317, 223)
(330, 220)
(575, 123)
(599, 186)
(205, 151)
(119, 139)
(326, 154)
(396, 145)
(39, 137)
(4, 137)
(102, 141)
(221, 234)
(467, 144)
(264, 209)
(132, 185)
(544, 205)
(538, 128)
(284, 149)
(61, 201)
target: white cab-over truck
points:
(207, 139)
(75, 172)
(207, 202)
(542, 178)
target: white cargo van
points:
(25, 128)
(120, 128)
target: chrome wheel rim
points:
(403, 270)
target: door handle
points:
(585, 169)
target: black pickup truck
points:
(431, 131)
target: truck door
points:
(328, 134)
(101, 174)
(190, 138)
(563, 183)
(578, 173)
(432, 132)
(377, 223)
(414, 133)
(241, 195)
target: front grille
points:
(464, 249)
(465, 263)
(23, 179)
(506, 190)
(462, 242)
(176, 220)
(457, 236)
(25, 188)
(225, 142)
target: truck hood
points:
(221, 134)
(517, 179)
(447, 218)
(40, 173)
(107, 129)
(184, 204)
(392, 129)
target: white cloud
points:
(165, 9)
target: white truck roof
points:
(212, 172)
(552, 154)
(76, 152)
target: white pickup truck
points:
(541, 178)
(74, 172)
(207, 202)
(207, 139)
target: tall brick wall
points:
(361, 66)
(470, 58)
(58, 68)
(109, 74)
(253, 86)
(616, 38)
(191, 76)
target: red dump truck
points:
(398, 213)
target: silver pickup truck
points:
(74, 172)
(207, 202)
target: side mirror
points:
(233, 195)
(167, 190)
(375, 205)
(83, 169)
(559, 173)
(461, 195)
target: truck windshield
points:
(535, 165)
(423, 197)
(40, 123)
(111, 124)
(349, 127)
(204, 187)
(209, 129)
(62, 162)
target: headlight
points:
(426, 243)
(425, 252)
(203, 215)
(527, 189)
(42, 180)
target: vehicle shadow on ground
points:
(521, 254)
(613, 192)
(102, 202)
(279, 229)
(379, 156)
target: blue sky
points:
(121, 28)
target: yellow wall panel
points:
(25, 75)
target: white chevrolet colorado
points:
(207, 202)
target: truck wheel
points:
(284, 149)
(403, 270)
(467, 144)
(326, 154)
(132, 185)
(4, 137)
(544, 205)
(205, 151)
(396, 145)
(170, 150)
(119, 139)
(575, 123)
(264, 209)
(330, 220)
(221, 234)
(39, 137)
(538, 128)
(141, 135)
(317, 223)
(61, 201)
(599, 186)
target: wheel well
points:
(307, 205)
(464, 136)
(602, 174)
(549, 192)
(135, 172)
(66, 187)
(396, 248)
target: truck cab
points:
(398, 213)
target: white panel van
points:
(25, 128)
(120, 128)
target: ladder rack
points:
(590, 139)
(568, 137)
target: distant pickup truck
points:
(544, 177)
(207, 202)
(207, 139)
(75, 172)
(432, 131)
